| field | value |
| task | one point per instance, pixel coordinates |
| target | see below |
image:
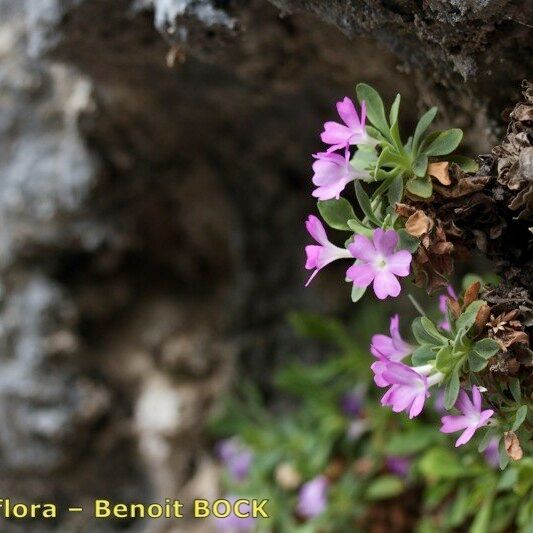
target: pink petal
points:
(381, 344)
(476, 397)
(453, 423)
(386, 284)
(363, 113)
(361, 274)
(335, 133)
(464, 404)
(417, 405)
(316, 230)
(347, 112)
(468, 433)
(399, 263)
(313, 253)
(362, 248)
(385, 242)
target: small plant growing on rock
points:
(401, 224)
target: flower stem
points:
(416, 305)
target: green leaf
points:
(364, 202)
(504, 458)
(357, 293)
(426, 332)
(490, 433)
(519, 418)
(364, 158)
(422, 355)
(445, 359)
(358, 227)
(514, 387)
(384, 487)
(468, 317)
(336, 213)
(486, 348)
(395, 134)
(476, 363)
(467, 164)
(420, 165)
(407, 241)
(421, 187)
(395, 108)
(375, 110)
(441, 463)
(481, 522)
(411, 441)
(442, 142)
(423, 124)
(452, 389)
(395, 191)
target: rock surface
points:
(154, 177)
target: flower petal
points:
(362, 248)
(399, 263)
(386, 284)
(468, 433)
(316, 229)
(385, 242)
(347, 112)
(361, 274)
(453, 423)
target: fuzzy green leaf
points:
(357, 293)
(420, 165)
(476, 362)
(452, 389)
(514, 387)
(422, 355)
(423, 124)
(519, 418)
(408, 241)
(375, 110)
(420, 187)
(336, 213)
(384, 487)
(442, 142)
(467, 164)
(468, 317)
(425, 332)
(364, 202)
(394, 110)
(486, 348)
(395, 191)
(445, 359)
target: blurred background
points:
(154, 178)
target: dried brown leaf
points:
(512, 446)
(471, 293)
(418, 223)
(440, 172)
(482, 317)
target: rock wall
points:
(154, 176)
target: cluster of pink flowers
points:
(409, 386)
(377, 260)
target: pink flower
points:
(379, 263)
(392, 348)
(318, 256)
(472, 417)
(492, 453)
(408, 391)
(332, 172)
(351, 132)
(312, 499)
(443, 307)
